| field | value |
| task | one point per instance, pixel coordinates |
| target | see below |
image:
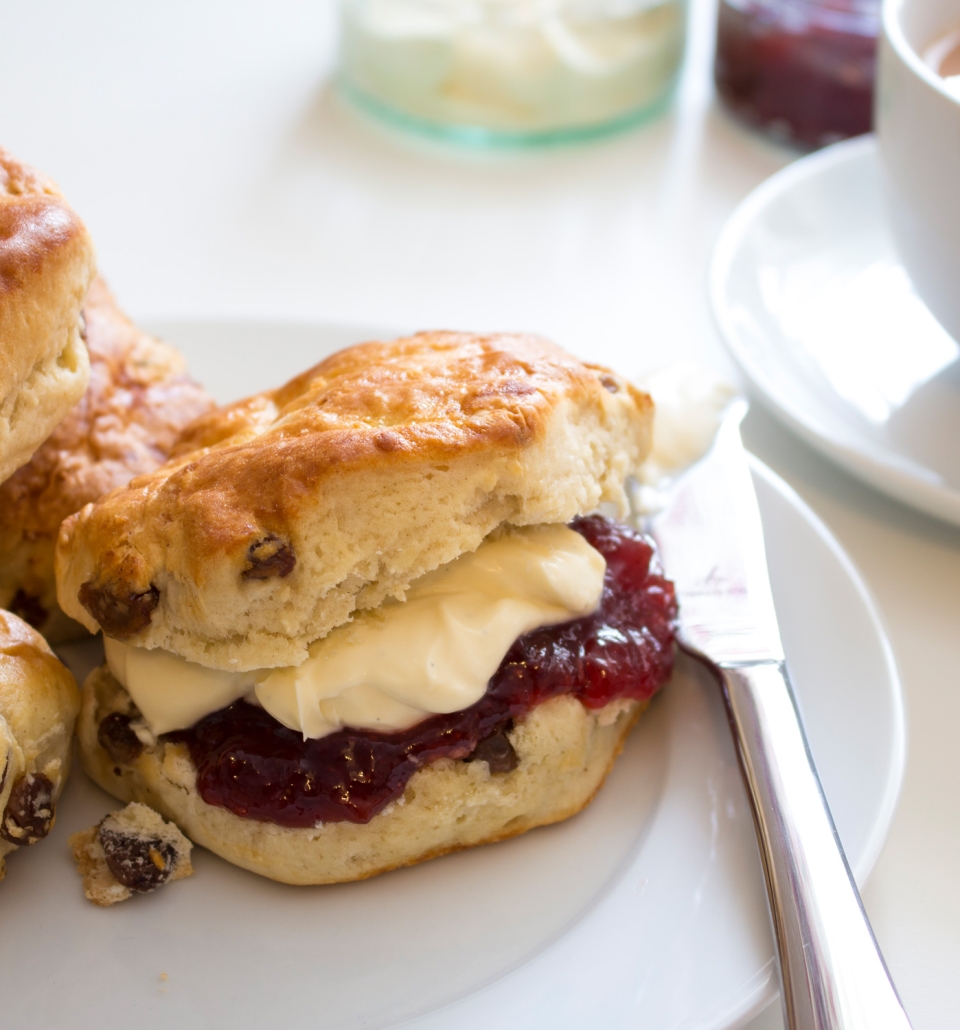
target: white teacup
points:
(917, 119)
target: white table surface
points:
(220, 176)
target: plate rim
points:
(865, 462)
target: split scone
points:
(39, 701)
(138, 400)
(46, 264)
(373, 616)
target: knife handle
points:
(833, 976)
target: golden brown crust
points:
(138, 400)
(46, 264)
(39, 702)
(564, 753)
(382, 462)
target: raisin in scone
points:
(39, 701)
(375, 615)
(138, 400)
(46, 265)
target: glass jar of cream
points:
(511, 71)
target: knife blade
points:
(710, 538)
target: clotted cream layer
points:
(392, 667)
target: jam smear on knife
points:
(252, 765)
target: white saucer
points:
(648, 909)
(816, 308)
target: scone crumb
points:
(130, 851)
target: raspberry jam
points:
(801, 69)
(252, 765)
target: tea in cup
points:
(943, 56)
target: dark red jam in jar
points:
(250, 764)
(801, 70)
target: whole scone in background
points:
(281, 515)
(138, 400)
(46, 265)
(39, 702)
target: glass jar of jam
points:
(802, 70)
(511, 71)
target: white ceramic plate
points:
(818, 311)
(648, 909)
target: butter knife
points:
(832, 975)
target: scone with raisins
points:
(46, 265)
(39, 701)
(376, 615)
(139, 398)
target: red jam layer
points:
(255, 767)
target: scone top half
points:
(281, 515)
(46, 265)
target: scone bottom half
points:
(39, 702)
(280, 516)
(533, 750)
